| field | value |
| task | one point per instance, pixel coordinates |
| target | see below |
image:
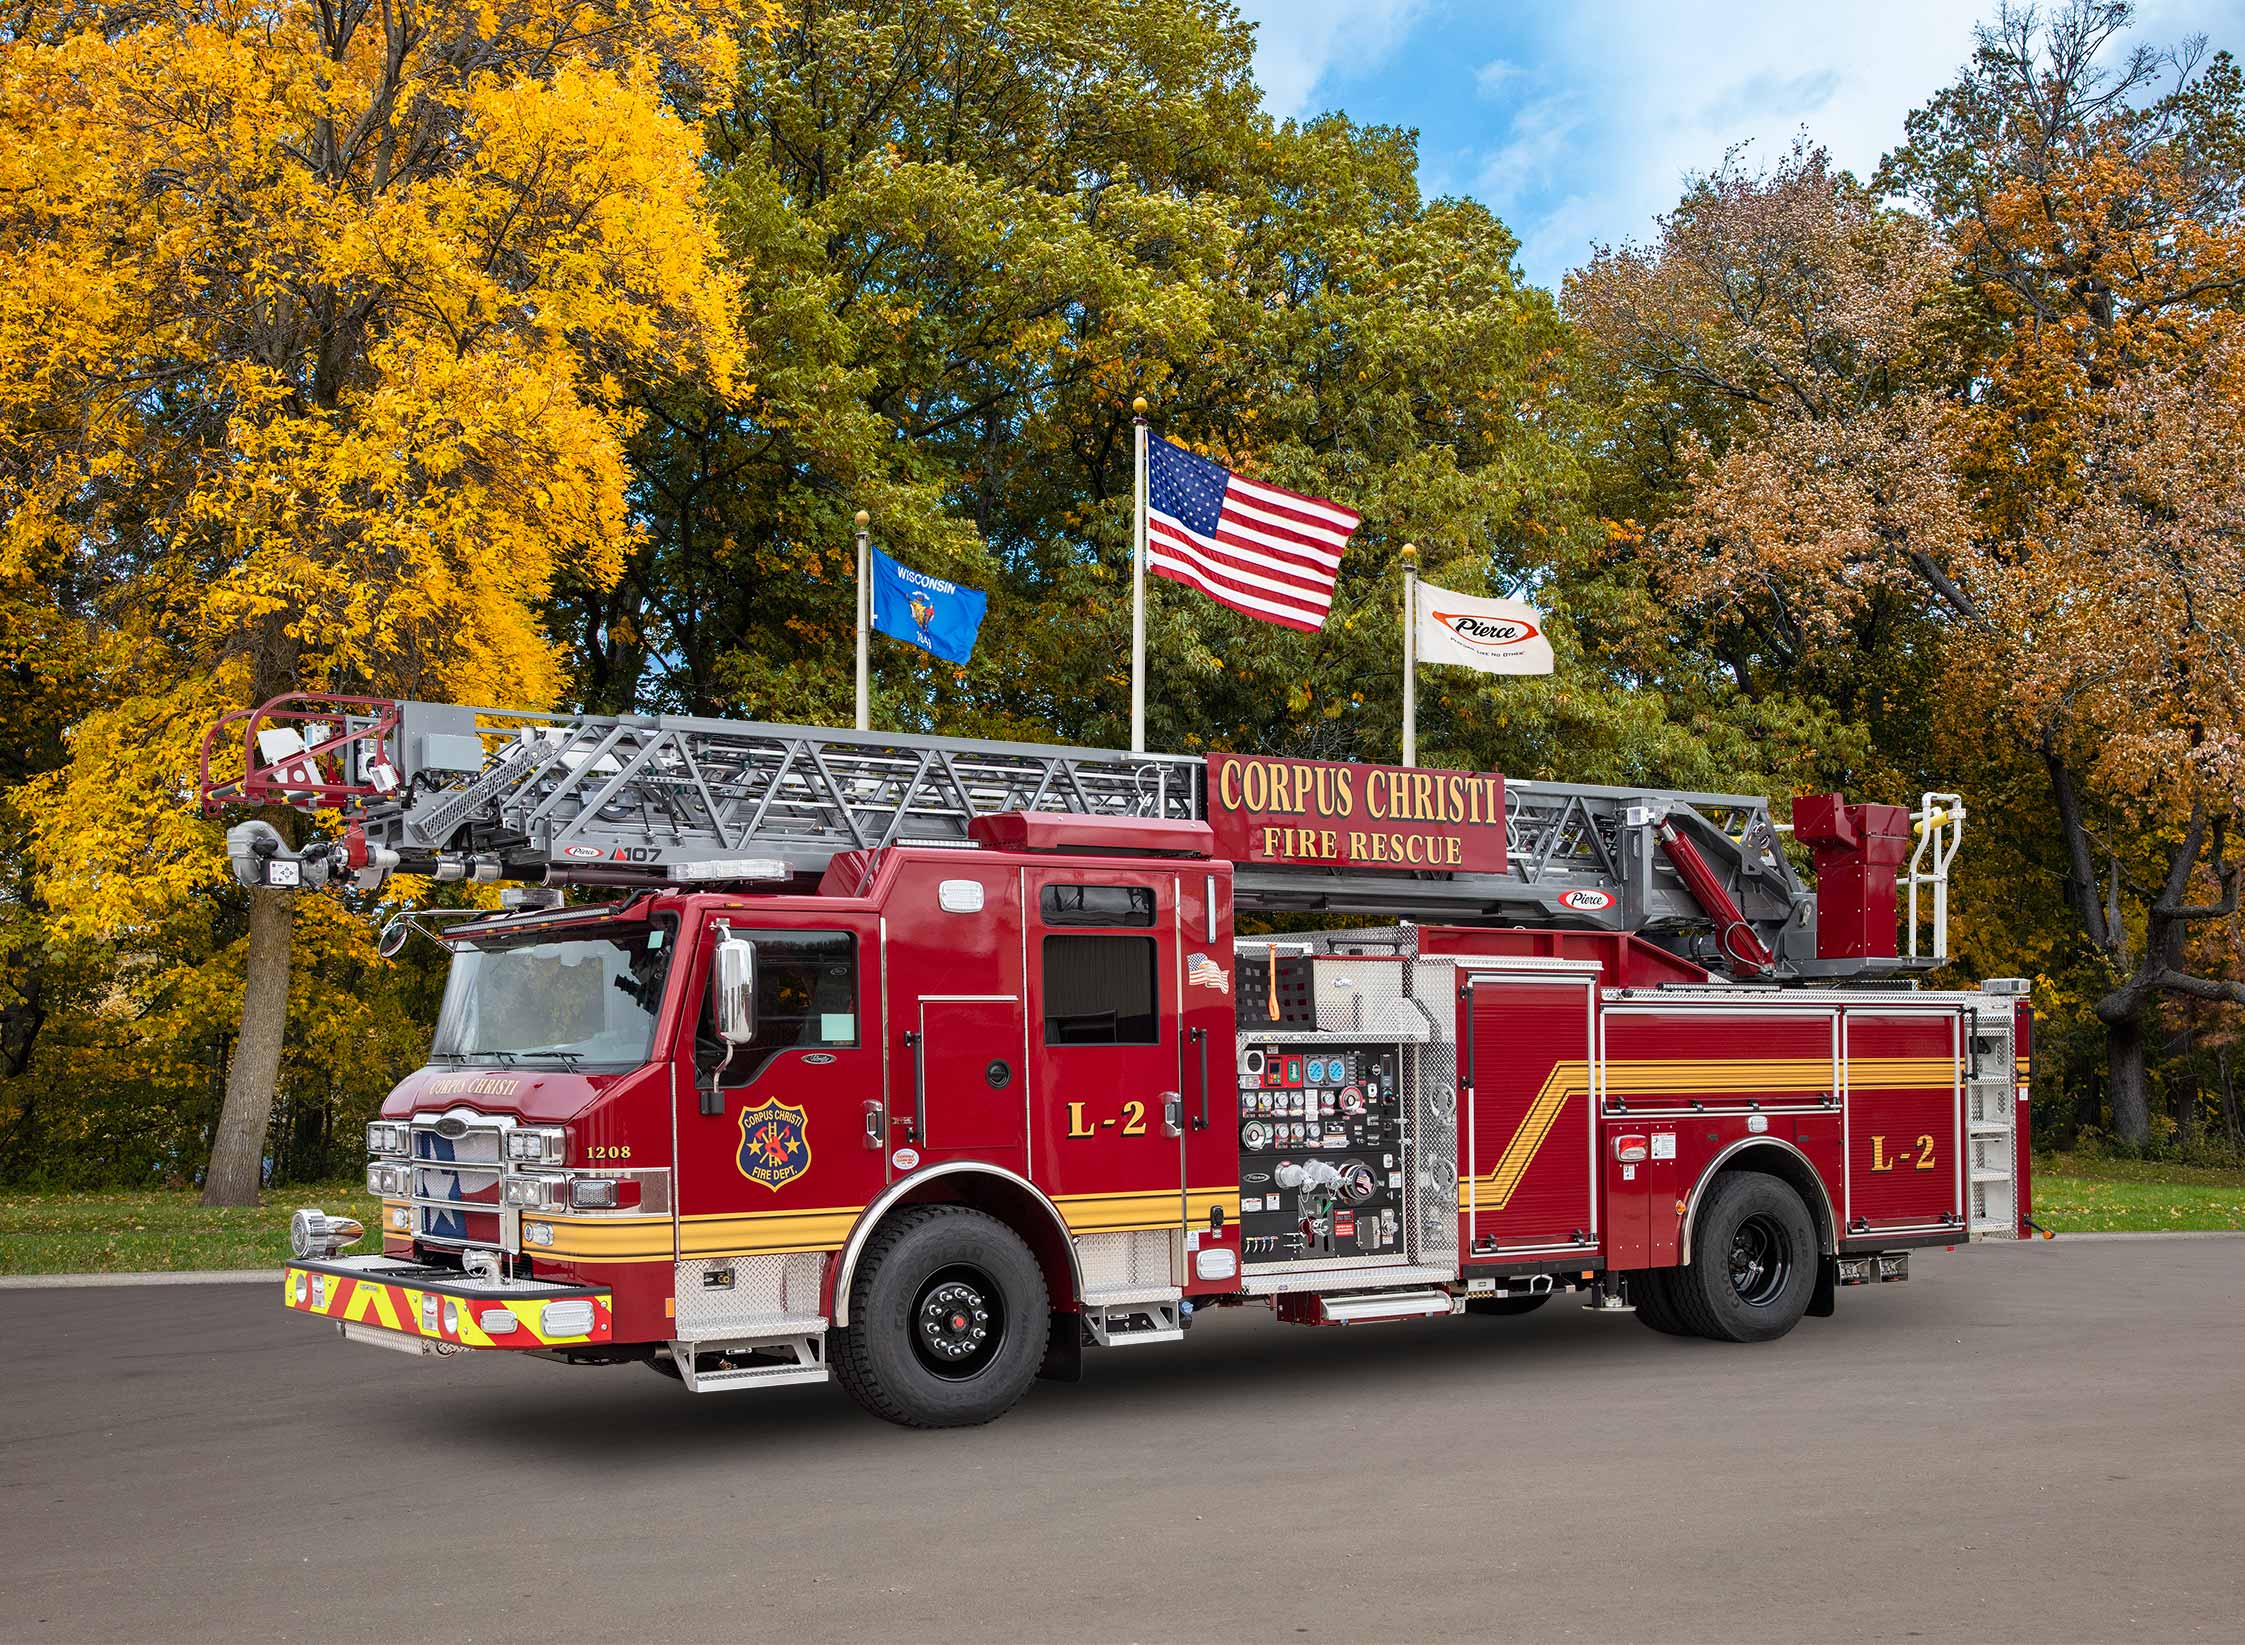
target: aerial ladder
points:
(483, 795)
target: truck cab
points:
(1044, 1036)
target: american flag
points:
(1269, 553)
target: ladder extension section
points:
(501, 794)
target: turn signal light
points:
(566, 1319)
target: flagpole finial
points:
(1138, 406)
(863, 519)
(1410, 552)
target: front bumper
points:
(409, 1305)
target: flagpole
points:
(1410, 654)
(1138, 583)
(864, 623)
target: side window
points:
(1100, 991)
(1097, 904)
(806, 997)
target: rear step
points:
(1364, 1307)
(1126, 1325)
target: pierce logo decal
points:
(775, 1144)
(1586, 901)
(1487, 633)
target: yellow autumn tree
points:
(316, 359)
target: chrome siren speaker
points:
(315, 1236)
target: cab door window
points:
(806, 999)
(1101, 990)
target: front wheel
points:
(948, 1319)
(1753, 1265)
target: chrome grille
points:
(454, 1206)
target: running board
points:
(1365, 1307)
(788, 1360)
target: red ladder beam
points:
(1747, 954)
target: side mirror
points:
(734, 988)
(394, 936)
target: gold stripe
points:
(1534, 1127)
(1568, 1079)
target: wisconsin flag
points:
(937, 616)
(1474, 631)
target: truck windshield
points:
(584, 1001)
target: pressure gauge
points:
(1254, 1136)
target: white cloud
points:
(1537, 150)
(1492, 77)
(1663, 87)
(1299, 43)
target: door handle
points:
(1172, 1114)
(872, 1125)
(918, 1042)
(1201, 1034)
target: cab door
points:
(774, 1150)
(1106, 977)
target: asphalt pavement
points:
(2038, 1443)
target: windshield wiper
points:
(572, 1058)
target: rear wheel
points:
(948, 1320)
(1655, 1302)
(1753, 1266)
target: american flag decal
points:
(1269, 553)
(1203, 972)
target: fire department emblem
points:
(775, 1144)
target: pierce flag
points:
(1474, 631)
(937, 616)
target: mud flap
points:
(1820, 1299)
(1064, 1348)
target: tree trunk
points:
(2125, 1068)
(2229, 1100)
(238, 1150)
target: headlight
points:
(534, 1193)
(386, 1137)
(384, 1180)
(536, 1145)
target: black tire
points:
(948, 1319)
(1753, 1266)
(1505, 1306)
(1650, 1293)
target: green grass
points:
(123, 1233)
(118, 1233)
(2076, 1193)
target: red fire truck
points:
(926, 1064)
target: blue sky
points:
(1575, 120)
